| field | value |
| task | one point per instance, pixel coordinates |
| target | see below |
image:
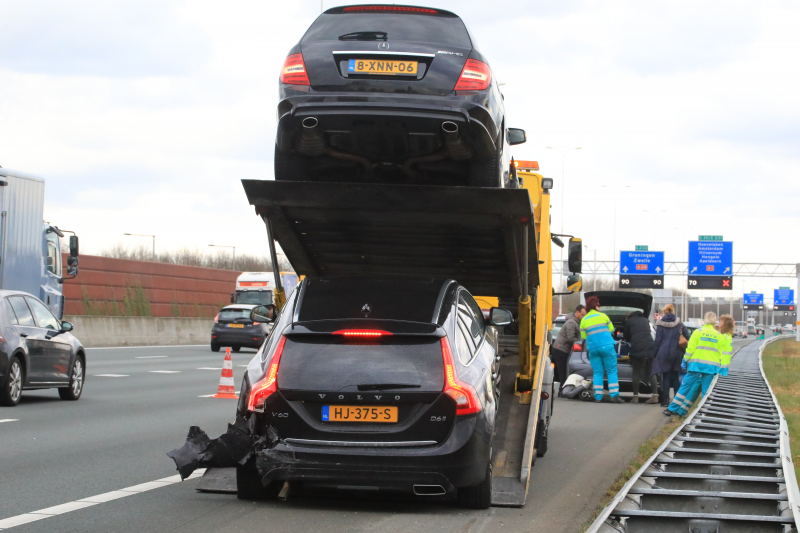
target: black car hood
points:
(624, 299)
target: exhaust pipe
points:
(429, 490)
(312, 143)
(456, 148)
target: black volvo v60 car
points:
(36, 350)
(392, 93)
(375, 384)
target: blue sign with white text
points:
(784, 296)
(753, 299)
(710, 258)
(641, 263)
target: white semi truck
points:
(257, 288)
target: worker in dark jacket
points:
(669, 354)
(570, 334)
(637, 332)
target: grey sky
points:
(143, 116)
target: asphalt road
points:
(115, 437)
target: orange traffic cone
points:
(226, 388)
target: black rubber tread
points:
(65, 393)
(215, 347)
(249, 487)
(290, 167)
(486, 172)
(479, 496)
(5, 392)
(236, 349)
(540, 442)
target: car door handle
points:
(23, 335)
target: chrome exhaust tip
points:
(310, 123)
(449, 127)
(429, 490)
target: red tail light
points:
(577, 347)
(475, 76)
(294, 71)
(396, 9)
(216, 319)
(467, 401)
(269, 384)
(365, 333)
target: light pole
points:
(144, 235)
(232, 247)
(615, 189)
(655, 219)
(563, 165)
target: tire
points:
(77, 379)
(215, 347)
(236, 348)
(11, 390)
(486, 172)
(290, 167)
(479, 496)
(249, 487)
(540, 442)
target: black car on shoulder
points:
(375, 384)
(37, 351)
(234, 328)
(392, 94)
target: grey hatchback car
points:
(37, 350)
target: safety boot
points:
(635, 398)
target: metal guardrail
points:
(727, 469)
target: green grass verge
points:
(781, 361)
(646, 450)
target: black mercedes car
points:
(234, 328)
(617, 305)
(36, 350)
(375, 385)
(394, 94)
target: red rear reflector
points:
(466, 398)
(577, 347)
(526, 165)
(294, 71)
(475, 76)
(269, 384)
(395, 9)
(362, 333)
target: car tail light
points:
(294, 71)
(475, 76)
(264, 388)
(395, 9)
(216, 319)
(365, 333)
(466, 398)
(577, 347)
(257, 323)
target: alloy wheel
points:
(77, 377)
(15, 381)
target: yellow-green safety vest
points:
(596, 328)
(704, 352)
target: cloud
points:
(109, 38)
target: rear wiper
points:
(364, 36)
(384, 386)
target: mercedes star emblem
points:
(383, 45)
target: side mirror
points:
(66, 327)
(264, 313)
(575, 255)
(73, 245)
(574, 282)
(500, 317)
(516, 136)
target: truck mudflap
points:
(474, 235)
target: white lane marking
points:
(68, 507)
(209, 368)
(151, 357)
(165, 371)
(111, 375)
(242, 366)
(212, 395)
(145, 347)
(9, 420)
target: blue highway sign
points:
(753, 302)
(711, 265)
(641, 269)
(784, 300)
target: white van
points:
(740, 329)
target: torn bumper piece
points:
(234, 447)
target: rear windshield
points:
(229, 315)
(331, 363)
(440, 28)
(375, 299)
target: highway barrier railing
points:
(728, 468)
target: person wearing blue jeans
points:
(596, 329)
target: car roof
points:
(623, 299)
(8, 292)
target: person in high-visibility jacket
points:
(726, 326)
(597, 328)
(703, 360)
